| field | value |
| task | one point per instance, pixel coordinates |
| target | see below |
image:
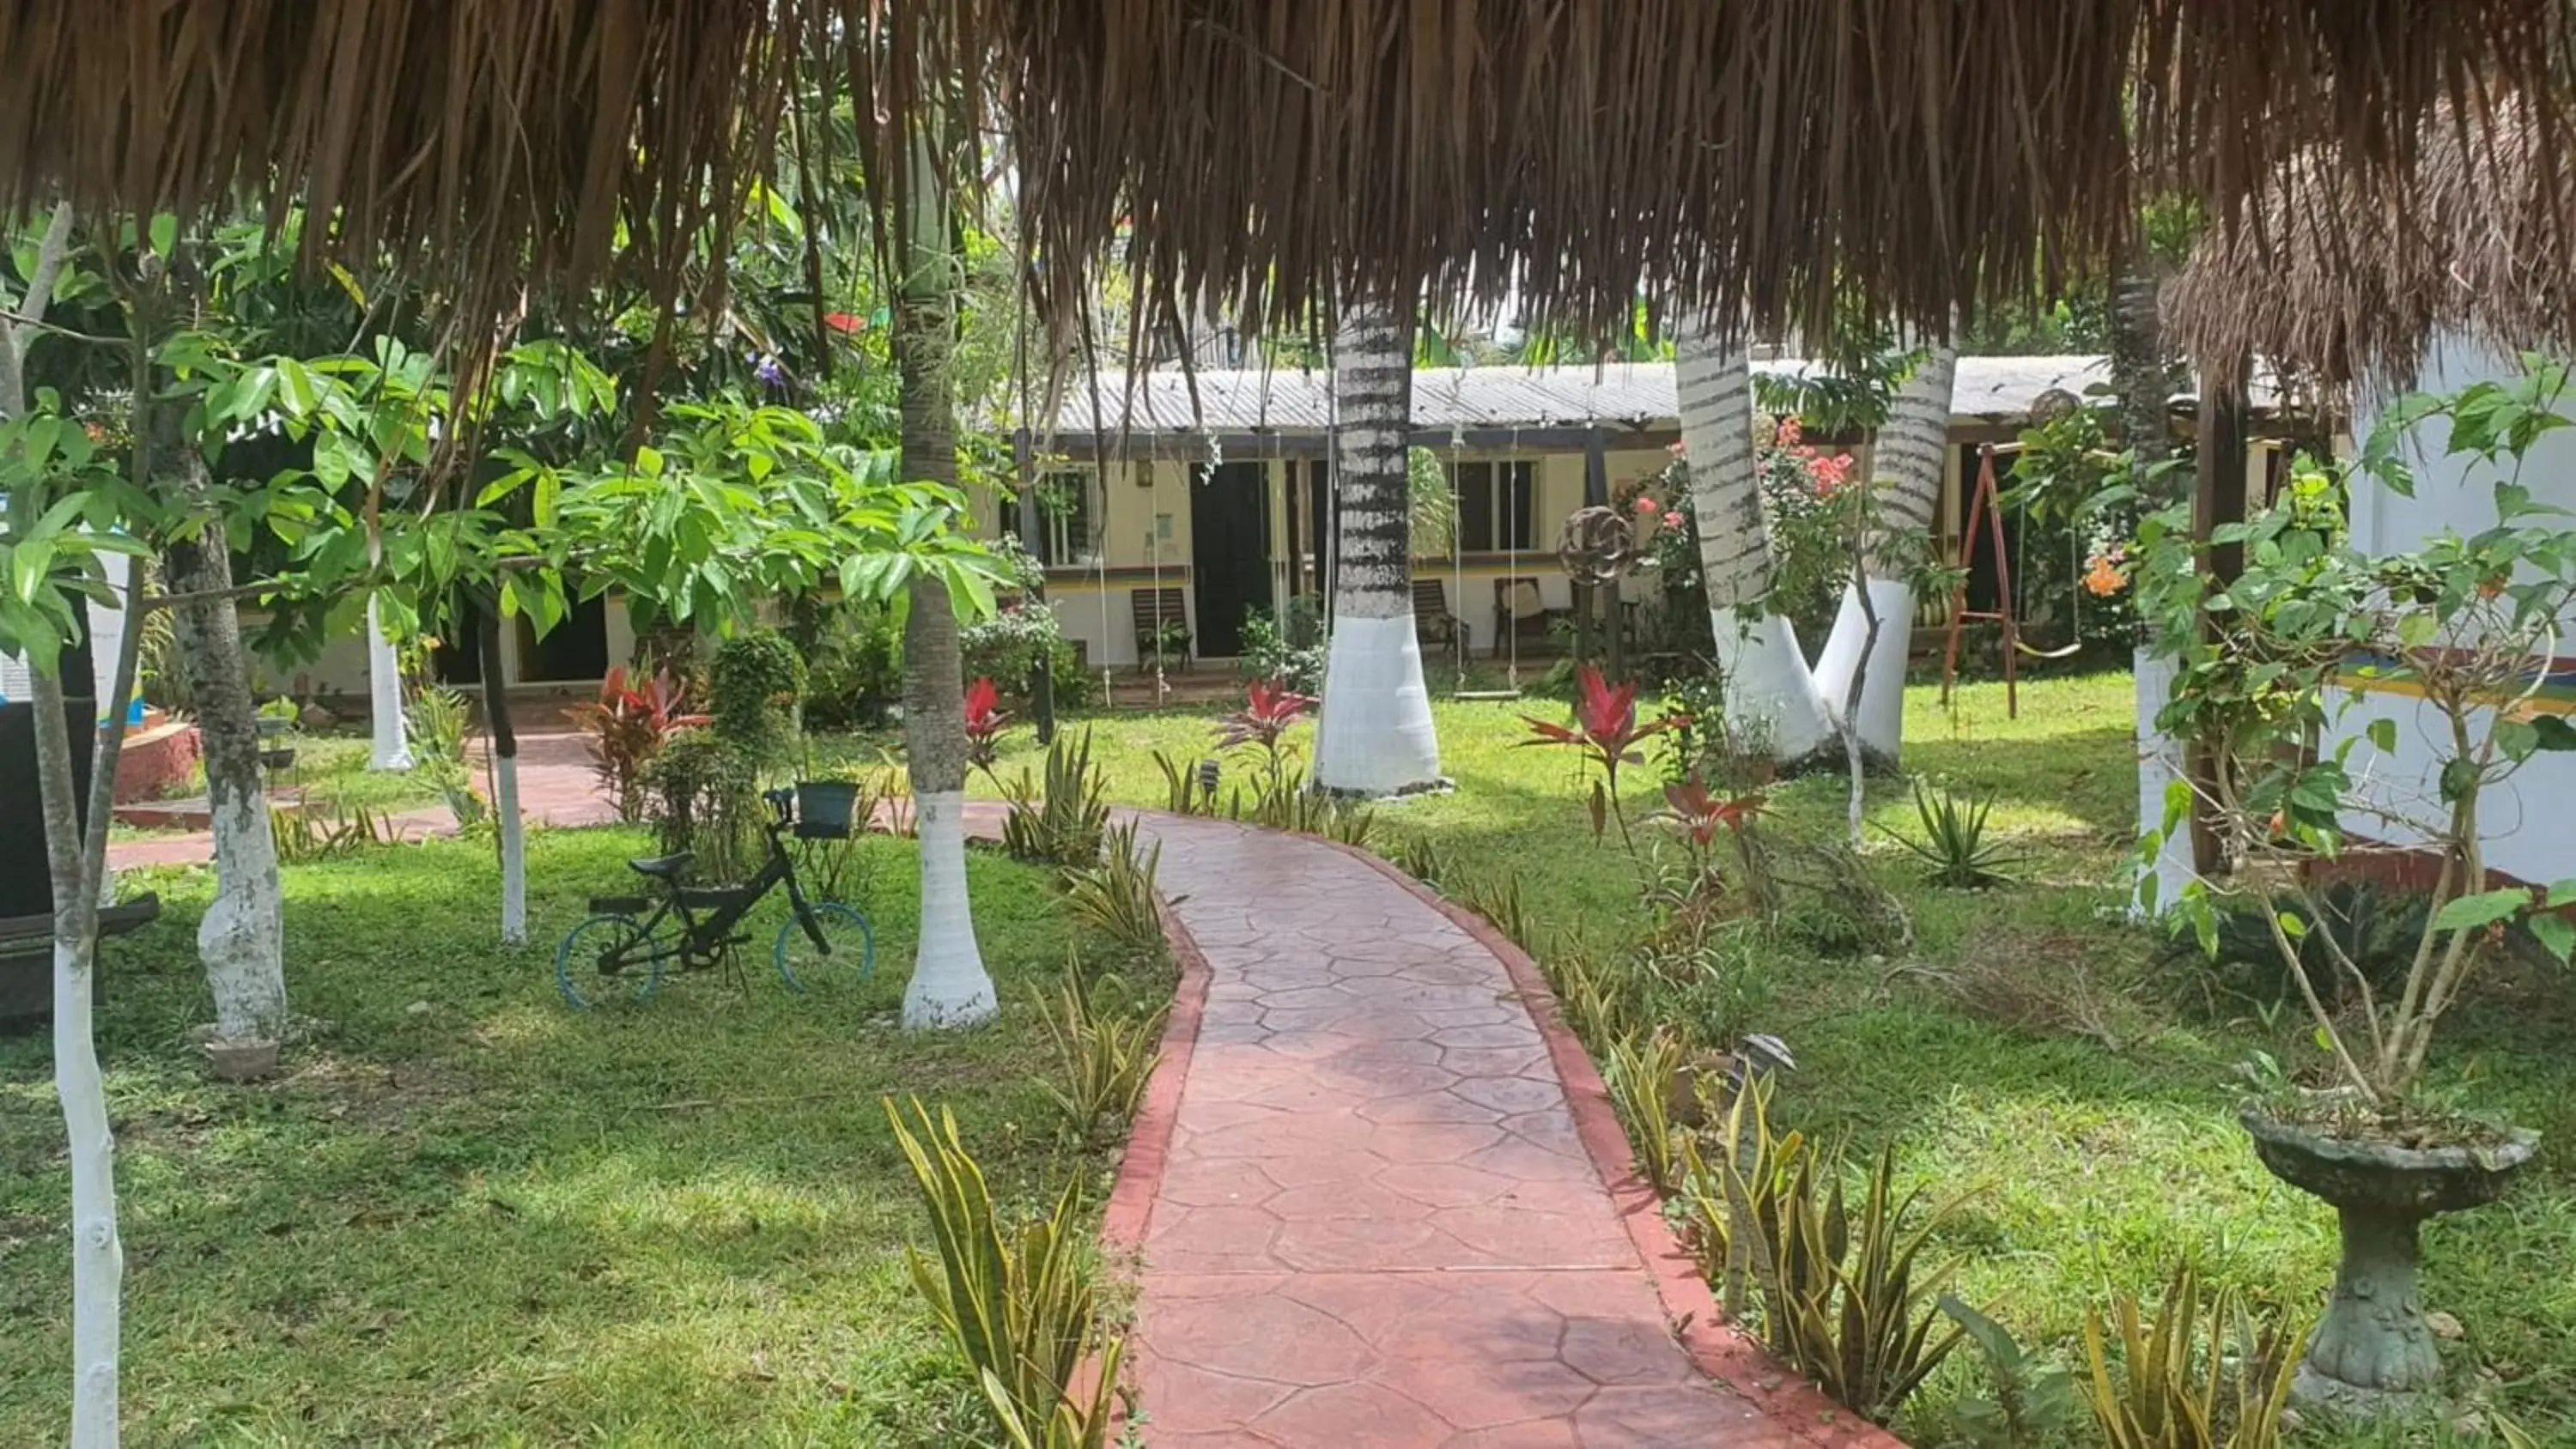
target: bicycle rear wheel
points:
(604, 957)
(847, 951)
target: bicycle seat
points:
(663, 867)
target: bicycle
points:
(695, 926)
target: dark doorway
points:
(1229, 554)
(1984, 595)
(458, 659)
(575, 648)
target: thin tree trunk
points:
(1374, 735)
(390, 749)
(76, 855)
(2140, 382)
(950, 986)
(509, 829)
(1861, 673)
(1767, 684)
(242, 936)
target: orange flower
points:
(2104, 578)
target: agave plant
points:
(984, 720)
(1954, 840)
(1606, 731)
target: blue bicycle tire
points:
(838, 922)
(596, 935)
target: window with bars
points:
(1494, 505)
(1065, 528)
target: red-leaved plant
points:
(628, 725)
(1605, 729)
(1270, 708)
(984, 721)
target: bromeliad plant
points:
(1270, 710)
(2318, 657)
(1606, 731)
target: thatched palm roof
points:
(1267, 152)
(2350, 290)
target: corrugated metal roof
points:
(1290, 400)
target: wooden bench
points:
(1162, 616)
(27, 977)
(1432, 621)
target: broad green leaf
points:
(2383, 735)
(2556, 935)
(2482, 909)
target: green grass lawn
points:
(2088, 1168)
(472, 1216)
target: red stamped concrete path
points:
(1379, 1220)
(556, 787)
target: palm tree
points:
(1374, 736)
(1768, 686)
(1904, 493)
(950, 986)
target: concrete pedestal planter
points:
(2373, 1351)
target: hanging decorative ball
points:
(2052, 404)
(1598, 544)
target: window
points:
(1493, 505)
(1066, 529)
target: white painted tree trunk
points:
(2161, 765)
(950, 987)
(1768, 685)
(1374, 734)
(391, 749)
(76, 853)
(1905, 493)
(241, 938)
(514, 849)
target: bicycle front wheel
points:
(846, 950)
(604, 957)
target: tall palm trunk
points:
(1904, 493)
(1375, 735)
(2141, 384)
(241, 939)
(1768, 686)
(950, 986)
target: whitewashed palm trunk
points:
(1905, 492)
(1374, 734)
(950, 986)
(241, 938)
(1767, 683)
(77, 858)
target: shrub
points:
(2191, 1375)
(1062, 824)
(626, 727)
(853, 664)
(1841, 1300)
(752, 681)
(439, 720)
(1108, 1058)
(1022, 1305)
(1954, 840)
(1116, 895)
(2376, 931)
(703, 795)
(1269, 654)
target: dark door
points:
(575, 648)
(1229, 554)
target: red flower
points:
(1673, 518)
(1646, 505)
(1787, 434)
(1701, 815)
(845, 321)
(1269, 708)
(984, 721)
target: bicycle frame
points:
(704, 937)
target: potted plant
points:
(2360, 710)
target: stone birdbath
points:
(2373, 1351)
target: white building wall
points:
(2531, 818)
